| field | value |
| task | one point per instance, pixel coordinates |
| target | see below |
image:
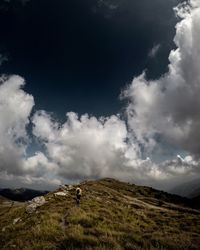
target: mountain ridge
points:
(188, 189)
(21, 194)
(112, 215)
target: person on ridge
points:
(78, 195)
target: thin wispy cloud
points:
(154, 51)
(106, 7)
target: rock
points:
(63, 187)
(34, 203)
(70, 187)
(64, 193)
(16, 220)
(66, 187)
(4, 228)
(40, 200)
(31, 208)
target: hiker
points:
(78, 195)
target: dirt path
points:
(63, 223)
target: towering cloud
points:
(15, 108)
(169, 108)
(15, 166)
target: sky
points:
(99, 88)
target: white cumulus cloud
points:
(169, 107)
(15, 166)
(15, 108)
(85, 147)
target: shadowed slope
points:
(21, 194)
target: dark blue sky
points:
(77, 55)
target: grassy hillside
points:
(112, 215)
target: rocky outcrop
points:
(34, 203)
(16, 220)
(64, 190)
(63, 193)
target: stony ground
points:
(112, 215)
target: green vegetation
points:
(112, 215)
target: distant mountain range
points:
(21, 194)
(189, 189)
